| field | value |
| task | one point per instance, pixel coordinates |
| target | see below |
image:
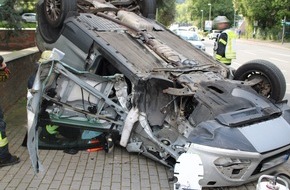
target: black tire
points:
(55, 11)
(273, 85)
(50, 28)
(148, 8)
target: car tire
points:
(273, 85)
(148, 8)
(50, 26)
(55, 11)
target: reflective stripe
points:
(223, 41)
(218, 57)
(3, 142)
(225, 61)
(51, 129)
(230, 52)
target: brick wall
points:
(21, 68)
(23, 39)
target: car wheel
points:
(148, 8)
(51, 15)
(273, 84)
(55, 11)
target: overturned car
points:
(120, 74)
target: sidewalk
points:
(118, 170)
(94, 170)
(267, 42)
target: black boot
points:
(10, 160)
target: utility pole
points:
(209, 14)
(283, 30)
(201, 19)
(234, 18)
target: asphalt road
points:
(248, 50)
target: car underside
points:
(125, 79)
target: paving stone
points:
(27, 178)
(86, 181)
(106, 181)
(97, 177)
(118, 170)
(116, 185)
(78, 177)
(14, 182)
(55, 184)
(126, 182)
(64, 187)
(43, 187)
(96, 185)
(3, 185)
(106, 188)
(34, 183)
(85, 187)
(136, 186)
(22, 186)
(72, 165)
(125, 187)
(76, 185)
(67, 180)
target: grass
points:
(3, 24)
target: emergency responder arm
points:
(2, 65)
(221, 45)
(4, 72)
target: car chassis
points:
(162, 98)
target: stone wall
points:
(22, 65)
(23, 39)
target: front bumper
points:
(245, 166)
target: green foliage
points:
(28, 25)
(9, 18)
(268, 13)
(190, 11)
(26, 6)
(166, 11)
(182, 12)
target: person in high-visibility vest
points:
(6, 159)
(224, 48)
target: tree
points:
(183, 12)
(190, 10)
(268, 15)
(165, 11)
(9, 18)
(26, 6)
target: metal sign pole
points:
(283, 30)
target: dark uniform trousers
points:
(4, 153)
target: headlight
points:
(274, 162)
(233, 168)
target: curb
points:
(285, 45)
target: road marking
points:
(280, 60)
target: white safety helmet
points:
(221, 19)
